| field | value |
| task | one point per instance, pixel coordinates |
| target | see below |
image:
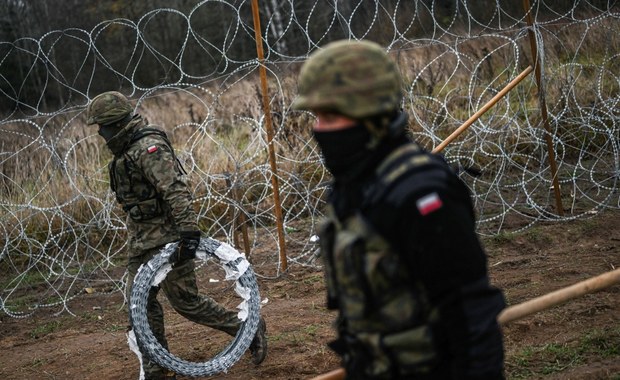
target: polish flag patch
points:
(429, 203)
(152, 149)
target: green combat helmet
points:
(353, 78)
(107, 108)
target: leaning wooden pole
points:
(543, 107)
(269, 128)
(482, 110)
(559, 297)
(337, 374)
(532, 306)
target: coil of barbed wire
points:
(154, 272)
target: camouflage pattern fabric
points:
(151, 187)
(386, 316)
(353, 78)
(408, 276)
(107, 108)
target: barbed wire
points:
(62, 231)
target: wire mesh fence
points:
(62, 232)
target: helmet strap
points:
(386, 125)
(398, 124)
(122, 122)
(109, 131)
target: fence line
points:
(62, 231)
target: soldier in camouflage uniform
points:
(151, 186)
(403, 264)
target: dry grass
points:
(218, 129)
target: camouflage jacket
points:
(150, 185)
(407, 273)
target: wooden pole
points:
(244, 229)
(337, 374)
(238, 219)
(268, 126)
(482, 110)
(233, 213)
(543, 108)
(532, 306)
(559, 296)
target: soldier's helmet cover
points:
(357, 79)
(107, 108)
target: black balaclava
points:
(108, 131)
(352, 152)
(117, 135)
(345, 151)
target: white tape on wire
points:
(237, 268)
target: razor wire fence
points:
(60, 228)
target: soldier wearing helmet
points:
(151, 186)
(403, 264)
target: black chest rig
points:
(384, 312)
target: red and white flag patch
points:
(152, 149)
(429, 203)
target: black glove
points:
(187, 247)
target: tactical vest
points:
(133, 191)
(386, 316)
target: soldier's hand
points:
(187, 247)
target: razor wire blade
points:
(152, 273)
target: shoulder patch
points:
(152, 149)
(429, 203)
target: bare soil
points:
(577, 340)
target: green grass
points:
(562, 357)
(313, 279)
(537, 235)
(29, 278)
(45, 329)
(115, 328)
(553, 358)
(588, 225)
(312, 329)
(501, 238)
(297, 337)
(605, 343)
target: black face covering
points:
(345, 151)
(108, 131)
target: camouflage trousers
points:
(180, 288)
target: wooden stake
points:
(543, 108)
(238, 219)
(268, 126)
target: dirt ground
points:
(577, 340)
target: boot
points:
(258, 347)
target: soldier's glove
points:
(187, 247)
